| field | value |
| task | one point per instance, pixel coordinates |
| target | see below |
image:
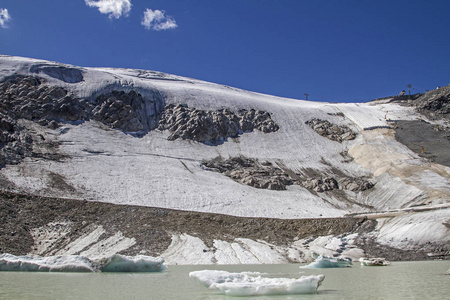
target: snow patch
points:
(83, 241)
(185, 249)
(109, 246)
(47, 237)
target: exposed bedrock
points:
(434, 104)
(266, 175)
(213, 126)
(331, 131)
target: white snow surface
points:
(111, 166)
(253, 284)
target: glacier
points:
(410, 199)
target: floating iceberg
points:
(374, 261)
(139, 263)
(76, 263)
(251, 284)
(329, 262)
(35, 263)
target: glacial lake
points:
(401, 280)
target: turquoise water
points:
(401, 280)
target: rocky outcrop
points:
(331, 131)
(354, 184)
(265, 175)
(121, 110)
(26, 97)
(212, 127)
(435, 104)
(324, 184)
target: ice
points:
(35, 263)
(329, 262)
(77, 263)
(139, 263)
(252, 284)
(152, 171)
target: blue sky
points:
(333, 50)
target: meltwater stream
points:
(401, 280)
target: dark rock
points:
(15, 142)
(25, 97)
(121, 110)
(265, 175)
(331, 131)
(250, 172)
(212, 127)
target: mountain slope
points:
(103, 135)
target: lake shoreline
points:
(22, 214)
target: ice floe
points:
(329, 262)
(252, 284)
(35, 263)
(374, 261)
(77, 263)
(139, 263)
